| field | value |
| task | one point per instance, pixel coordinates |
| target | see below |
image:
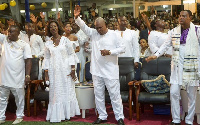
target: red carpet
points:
(147, 118)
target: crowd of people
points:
(61, 45)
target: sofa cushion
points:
(150, 98)
(158, 85)
(41, 95)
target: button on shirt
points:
(12, 73)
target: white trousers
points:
(175, 103)
(19, 100)
(113, 87)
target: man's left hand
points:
(136, 64)
(105, 52)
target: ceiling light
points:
(54, 9)
(22, 11)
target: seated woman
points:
(60, 62)
(144, 49)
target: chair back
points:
(154, 68)
(126, 72)
(34, 69)
(87, 74)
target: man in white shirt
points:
(185, 65)
(36, 43)
(130, 39)
(158, 37)
(15, 53)
(106, 45)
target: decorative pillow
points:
(158, 85)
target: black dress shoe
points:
(120, 121)
(99, 121)
(174, 123)
(188, 124)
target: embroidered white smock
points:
(12, 73)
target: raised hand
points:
(77, 11)
(42, 15)
(144, 16)
(58, 15)
(33, 18)
(11, 22)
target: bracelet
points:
(73, 69)
(27, 76)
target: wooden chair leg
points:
(130, 102)
(134, 100)
(35, 107)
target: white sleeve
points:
(2, 38)
(152, 43)
(71, 53)
(47, 55)
(27, 51)
(164, 46)
(135, 44)
(87, 30)
(41, 45)
(120, 48)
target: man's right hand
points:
(77, 11)
(150, 58)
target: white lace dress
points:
(63, 103)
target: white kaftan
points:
(130, 39)
(62, 97)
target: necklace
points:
(55, 40)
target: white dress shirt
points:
(12, 72)
(130, 39)
(36, 43)
(103, 66)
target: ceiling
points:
(66, 4)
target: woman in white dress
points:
(60, 62)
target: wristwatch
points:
(109, 52)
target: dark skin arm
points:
(72, 74)
(145, 18)
(28, 69)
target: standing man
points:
(185, 65)
(15, 53)
(130, 39)
(106, 45)
(37, 45)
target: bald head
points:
(100, 20)
(100, 25)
